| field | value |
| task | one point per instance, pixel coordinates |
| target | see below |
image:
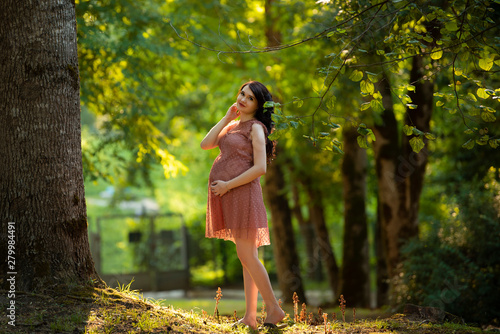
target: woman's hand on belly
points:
(219, 188)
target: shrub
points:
(456, 265)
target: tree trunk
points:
(287, 260)
(355, 265)
(420, 118)
(317, 217)
(41, 181)
(386, 149)
(400, 171)
(314, 267)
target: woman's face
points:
(247, 102)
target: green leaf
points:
(269, 104)
(439, 103)
(372, 136)
(334, 126)
(482, 140)
(298, 102)
(365, 106)
(428, 39)
(372, 77)
(486, 63)
(277, 118)
(437, 54)
(481, 92)
(451, 26)
(282, 126)
(471, 97)
(417, 132)
(417, 144)
(294, 124)
(367, 87)
(408, 130)
(494, 143)
(330, 103)
(362, 142)
(324, 134)
(356, 76)
(488, 117)
(469, 144)
(275, 135)
(377, 105)
(429, 136)
(337, 146)
(411, 106)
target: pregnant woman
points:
(235, 209)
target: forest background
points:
(386, 179)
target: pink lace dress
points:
(240, 213)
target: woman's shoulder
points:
(256, 124)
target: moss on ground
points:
(104, 310)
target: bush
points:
(456, 265)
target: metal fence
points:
(151, 250)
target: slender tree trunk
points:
(386, 149)
(420, 118)
(355, 265)
(41, 179)
(382, 278)
(314, 267)
(286, 258)
(326, 253)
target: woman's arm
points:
(258, 169)
(211, 140)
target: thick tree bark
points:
(355, 265)
(283, 240)
(400, 171)
(41, 179)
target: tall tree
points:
(287, 260)
(41, 182)
(317, 216)
(285, 253)
(355, 264)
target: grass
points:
(78, 309)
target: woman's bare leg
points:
(251, 296)
(247, 253)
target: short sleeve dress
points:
(240, 213)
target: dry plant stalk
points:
(325, 321)
(342, 306)
(295, 307)
(353, 314)
(217, 298)
(303, 313)
(263, 312)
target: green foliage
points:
(455, 264)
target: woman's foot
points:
(274, 316)
(246, 322)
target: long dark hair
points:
(262, 114)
